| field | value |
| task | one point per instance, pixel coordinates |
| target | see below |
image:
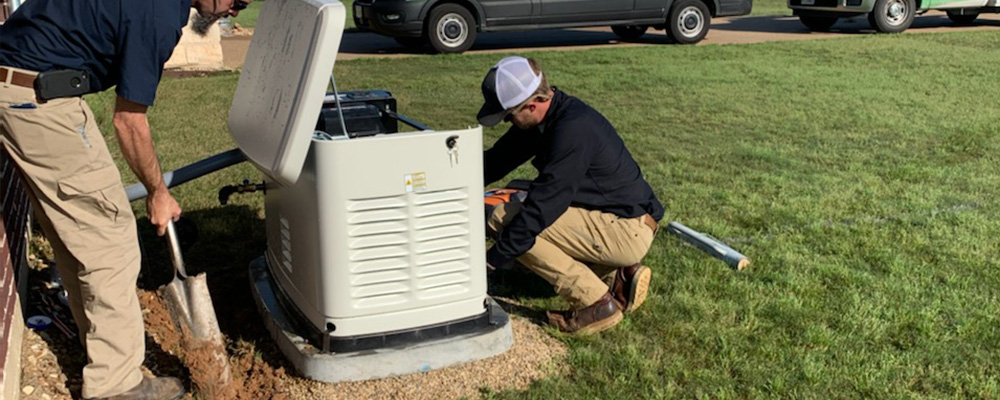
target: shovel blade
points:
(191, 308)
(191, 305)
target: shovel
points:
(190, 306)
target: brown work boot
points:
(594, 318)
(632, 286)
(163, 388)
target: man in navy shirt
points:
(589, 216)
(73, 183)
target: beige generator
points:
(375, 261)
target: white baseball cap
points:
(506, 85)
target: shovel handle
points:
(175, 251)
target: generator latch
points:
(452, 143)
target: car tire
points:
(629, 32)
(451, 28)
(962, 19)
(688, 22)
(818, 24)
(892, 16)
(410, 41)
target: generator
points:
(375, 258)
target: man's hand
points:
(136, 142)
(162, 208)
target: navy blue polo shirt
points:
(119, 42)
(581, 162)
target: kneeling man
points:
(589, 217)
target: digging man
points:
(86, 46)
(589, 217)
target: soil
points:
(52, 361)
(209, 367)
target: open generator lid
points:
(283, 82)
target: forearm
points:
(136, 141)
(549, 196)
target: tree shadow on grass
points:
(509, 286)
(221, 242)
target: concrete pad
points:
(371, 364)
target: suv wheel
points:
(629, 32)
(962, 19)
(892, 16)
(688, 21)
(818, 24)
(451, 28)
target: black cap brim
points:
(491, 113)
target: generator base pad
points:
(369, 364)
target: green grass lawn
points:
(859, 174)
(248, 17)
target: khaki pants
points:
(79, 200)
(580, 252)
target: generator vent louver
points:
(410, 248)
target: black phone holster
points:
(61, 83)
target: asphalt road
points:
(733, 30)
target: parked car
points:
(890, 16)
(451, 26)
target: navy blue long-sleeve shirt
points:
(581, 162)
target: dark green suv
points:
(450, 26)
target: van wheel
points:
(451, 28)
(962, 19)
(892, 16)
(629, 32)
(818, 24)
(688, 22)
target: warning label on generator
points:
(415, 182)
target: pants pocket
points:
(627, 239)
(86, 197)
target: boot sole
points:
(638, 289)
(601, 325)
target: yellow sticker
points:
(419, 181)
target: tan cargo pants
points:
(79, 200)
(580, 252)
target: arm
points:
(549, 196)
(136, 141)
(509, 152)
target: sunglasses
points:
(510, 114)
